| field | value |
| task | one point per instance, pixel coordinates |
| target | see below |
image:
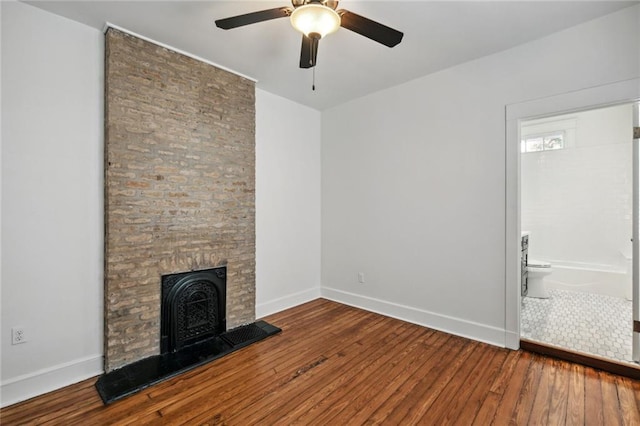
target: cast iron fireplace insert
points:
(193, 307)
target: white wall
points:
(577, 201)
(51, 201)
(413, 177)
(287, 203)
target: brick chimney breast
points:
(179, 187)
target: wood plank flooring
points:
(337, 365)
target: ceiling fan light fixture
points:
(315, 18)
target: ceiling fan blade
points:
(253, 18)
(309, 52)
(370, 29)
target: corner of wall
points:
(459, 327)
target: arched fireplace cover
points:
(193, 307)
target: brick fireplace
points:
(179, 187)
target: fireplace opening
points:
(193, 307)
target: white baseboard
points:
(49, 379)
(286, 302)
(471, 330)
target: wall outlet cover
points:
(18, 335)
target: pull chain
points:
(312, 52)
(314, 39)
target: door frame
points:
(635, 289)
(627, 91)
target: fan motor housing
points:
(329, 3)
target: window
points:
(546, 142)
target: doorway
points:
(626, 92)
(576, 216)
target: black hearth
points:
(193, 307)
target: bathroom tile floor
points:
(584, 322)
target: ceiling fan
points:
(315, 19)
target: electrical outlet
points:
(18, 335)
(361, 277)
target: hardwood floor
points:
(334, 364)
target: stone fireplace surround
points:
(179, 187)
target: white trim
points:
(286, 302)
(459, 327)
(512, 340)
(108, 25)
(626, 91)
(578, 100)
(635, 250)
(49, 379)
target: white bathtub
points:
(598, 279)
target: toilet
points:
(537, 270)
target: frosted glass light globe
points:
(315, 19)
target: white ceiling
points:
(437, 35)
